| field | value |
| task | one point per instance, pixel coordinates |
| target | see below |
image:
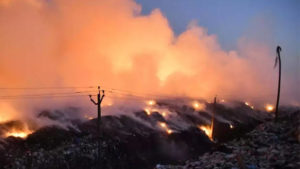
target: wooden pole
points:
(279, 81)
(98, 103)
(212, 126)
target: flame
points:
(147, 111)
(249, 105)
(88, 117)
(198, 106)
(207, 129)
(18, 133)
(163, 125)
(231, 126)
(164, 114)
(269, 107)
(169, 131)
(151, 102)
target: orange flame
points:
(207, 130)
(165, 127)
(151, 102)
(269, 107)
(198, 106)
(147, 111)
(18, 133)
(169, 131)
(249, 105)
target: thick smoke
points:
(109, 42)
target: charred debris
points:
(137, 140)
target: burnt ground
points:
(271, 145)
(128, 141)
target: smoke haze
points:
(109, 42)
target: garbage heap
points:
(271, 145)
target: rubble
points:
(136, 141)
(269, 146)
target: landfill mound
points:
(129, 141)
(270, 145)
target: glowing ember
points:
(269, 107)
(147, 111)
(207, 129)
(163, 125)
(21, 134)
(151, 102)
(198, 106)
(88, 117)
(169, 131)
(249, 105)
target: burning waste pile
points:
(167, 131)
(269, 145)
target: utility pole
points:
(213, 118)
(98, 104)
(278, 59)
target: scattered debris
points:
(270, 145)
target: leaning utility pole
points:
(278, 59)
(98, 103)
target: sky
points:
(277, 22)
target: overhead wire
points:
(110, 92)
(44, 88)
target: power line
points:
(45, 97)
(47, 94)
(43, 88)
(130, 93)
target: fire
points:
(269, 107)
(169, 131)
(17, 133)
(164, 114)
(207, 129)
(147, 111)
(198, 106)
(151, 102)
(88, 117)
(231, 126)
(162, 124)
(249, 105)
